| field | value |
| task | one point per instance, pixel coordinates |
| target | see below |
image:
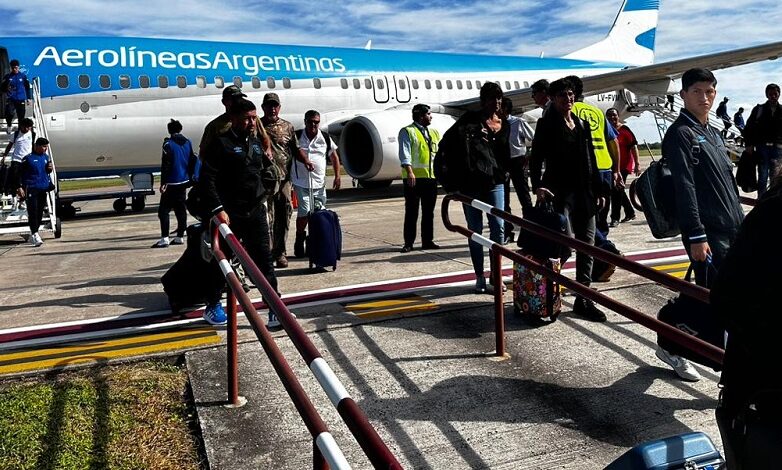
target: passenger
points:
(763, 135)
(738, 121)
(309, 171)
(284, 146)
(745, 296)
(177, 172)
(563, 143)
(482, 134)
(722, 113)
(418, 143)
(520, 138)
(222, 123)
(669, 100)
(540, 93)
(707, 199)
(231, 185)
(605, 147)
(34, 184)
(18, 94)
(628, 163)
(22, 143)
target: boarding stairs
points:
(664, 116)
(15, 221)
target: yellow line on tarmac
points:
(93, 351)
(389, 307)
(670, 267)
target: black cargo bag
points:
(653, 194)
(543, 213)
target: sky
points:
(500, 27)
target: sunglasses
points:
(310, 121)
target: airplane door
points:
(380, 89)
(402, 86)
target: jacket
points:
(231, 175)
(707, 198)
(17, 86)
(763, 128)
(570, 169)
(179, 162)
(33, 174)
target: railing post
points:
(318, 461)
(233, 352)
(495, 262)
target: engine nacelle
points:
(368, 145)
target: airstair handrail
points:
(38, 116)
(672, 333)
(365, 434)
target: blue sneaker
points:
(215, 315)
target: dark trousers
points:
(606, 180)
(13, 107)
(620, 200)
(581, 226)
(173, 198)
(253, 231)
(36, 202)
(719, 243)
(519, 175)
(424, 193)
(280, 212)
(750, 441)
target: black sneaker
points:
(586, 308)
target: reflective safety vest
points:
(597, 122)
(422, 152)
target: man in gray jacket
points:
(707, 198)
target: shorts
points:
(305, 207)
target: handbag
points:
(695, 318)
(747, 172)
(538, 247)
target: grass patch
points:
(119, 417)
(76, 185)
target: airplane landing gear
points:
(67, 211)
(138, 203)
(120, 205)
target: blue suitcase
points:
(690, 451)
(324, 241)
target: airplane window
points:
(507, 85)
(219, 81)
(516, 84)
(367, 84)
(526, 84)
(459, 84)
(238, 81)
(316, 83)
(105, 81)
(415, 84)
(402, 85)
(380, 84)
(143, 81)
(469, 84)
(256, 82)
(62, 81)
(270, 82)
(356, 83)
(84, 81)
(286, 82)
(438, 84)
(162, 81)
(124, 81)
(181, 81)
(201, 81)
(343, 82)
(449, 84)
(428, 84)
(477, 84)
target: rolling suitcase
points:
(324, 240)
(536, 298)
(193, 280)
(690, 451)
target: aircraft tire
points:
(120, 205)
(138, 203)
(67, 211)
(58, 227)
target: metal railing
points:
(42, 131)
(497, 251)
(355, 419)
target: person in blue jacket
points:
(177, 172)
(34, 183)
(17, 89)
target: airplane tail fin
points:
(631, 38)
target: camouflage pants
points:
(280, 211)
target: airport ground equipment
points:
(690, 451)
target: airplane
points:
(106, 100)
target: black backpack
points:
(653, 194)
(465, 160)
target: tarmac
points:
(419, 362)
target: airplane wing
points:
(642, 77)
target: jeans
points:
(519, 175)
(607, 183)
(173, 198)
(582, 227)
(474, 217)
(424, 193)
(769, 158)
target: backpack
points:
(653, 194)
(465, 160)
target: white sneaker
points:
(680, 365)
(273, 321)
(35, 240)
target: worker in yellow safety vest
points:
(417, 147)
(606, 149)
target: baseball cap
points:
(233, 92)
(271, 97)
